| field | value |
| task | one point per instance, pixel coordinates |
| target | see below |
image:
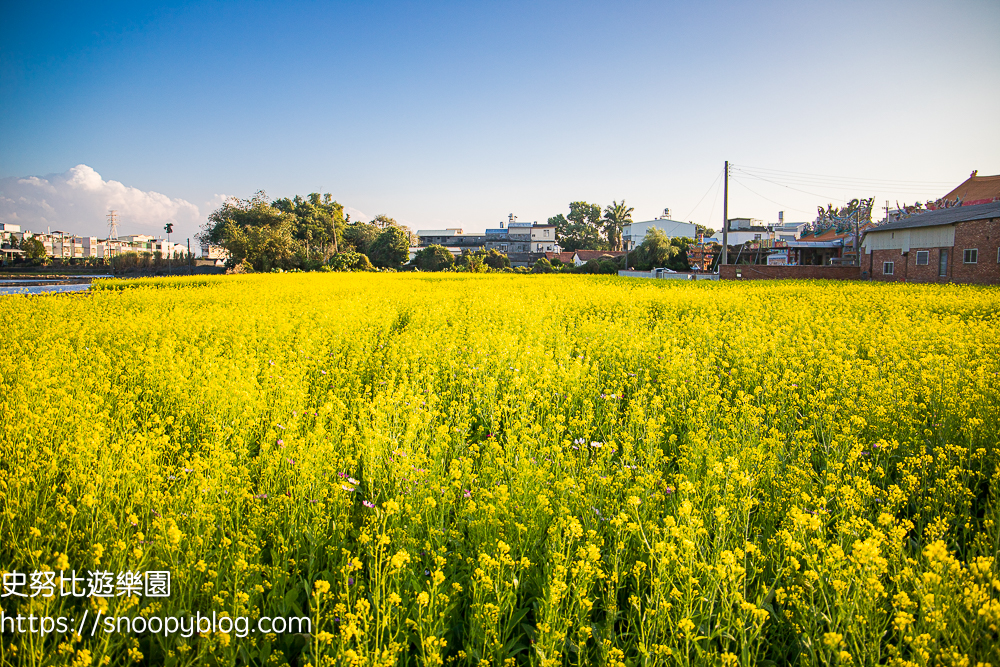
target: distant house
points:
(9, 231)
(216, 253)
(581, 257)
(742, 230)
(445, 237)
(958, 244)
(520, 238)
(788, 231)
(523, 237)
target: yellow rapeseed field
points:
(503, 470)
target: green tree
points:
(284, 234)
(318, 226)
(496, 260)
(254, 232)
(263, 248)
(602, 264)
(391, 249)
(616, 216)
(472, 262)
(33, 248)
(382, 221)
(707, 231)
(434, 258)
(360, 236)
(658, 249)
(581, 229)
(608, 266)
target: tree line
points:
(313, 233)
(589, 227)
(305, 233)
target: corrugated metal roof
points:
(945, 216)
(836, 243)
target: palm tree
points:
(616, 216)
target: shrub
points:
(434, 258)
(542, 266)
(350, 261)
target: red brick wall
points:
(761, 272)
(873, 264)
(984, 235)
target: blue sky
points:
(459, 113)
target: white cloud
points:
(78, 201)
(356, 215)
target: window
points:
(546, 233)
(971, 256)
(887, 268)
(998, 255)
(756, 237)
(923, 257)
(503, 247)
(943, 263)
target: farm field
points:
(505, 470)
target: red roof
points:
(976, 190)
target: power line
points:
(838, 184)
(715, 201)
(842, 178)
(812, 194)
(704, 195)
(784, 206)
(909, 189)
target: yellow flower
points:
(399, 559)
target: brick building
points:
(959, 244)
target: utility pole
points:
(725, 219)
(857, 234)
(169, 227)
(626, 252)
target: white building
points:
(8, 230)
(634, 233)
(742, 230)
(214, 252)
(543, 238)
(788, 231)
(428, 237)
